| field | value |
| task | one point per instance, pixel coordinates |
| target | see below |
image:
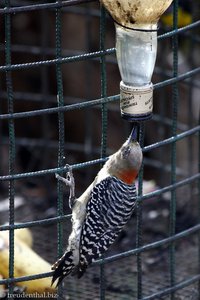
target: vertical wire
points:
(61, 127)
(45, 87)
(104, 121)
(190, 120)
(172, 229)
(89, 117)
(199, 212)
(11, 143)
(163, 127)
(139, 218)
(103, 84)
(45, 91)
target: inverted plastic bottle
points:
(136, 47)
(136, 55)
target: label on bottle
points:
(136, 100)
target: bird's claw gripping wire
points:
(69, 181)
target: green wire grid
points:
(10, 8)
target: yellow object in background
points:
(26, 262)
(2, 288)
(184, 18)
(25, 235)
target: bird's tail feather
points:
(80, 269)
(63, 267)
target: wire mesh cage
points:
(59, 86)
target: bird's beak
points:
(133, 135)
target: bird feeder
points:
(136, 48)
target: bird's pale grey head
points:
(131, 151)
(126, 162)
(131, 154)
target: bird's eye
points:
(125, 152)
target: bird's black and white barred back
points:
(110, 206)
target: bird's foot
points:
(69, 181)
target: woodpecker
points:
(100, 213)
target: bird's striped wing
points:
(108, 210)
